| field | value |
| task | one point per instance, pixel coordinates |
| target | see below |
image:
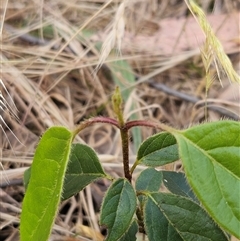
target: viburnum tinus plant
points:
(202, 204)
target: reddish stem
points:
(124, 128)
(146, 123)
(93, 120)
(125, 152)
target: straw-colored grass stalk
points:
(212, 52)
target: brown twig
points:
(192, 99)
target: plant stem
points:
(117, 107)
(124, 128)
(125, 152)
(139, 214)
(134, 166)
(98, 119)
(148, 123)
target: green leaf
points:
(158, 150)
(211, 159)
(83, 168)
(170, 217)
(118, 208)
(130, 235)
(149, 180)
(43, 195)
(157, 226)
(176, 183)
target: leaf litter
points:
(48, 68)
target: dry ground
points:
(49, 51)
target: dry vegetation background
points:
(49, 51)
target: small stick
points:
(191, 99)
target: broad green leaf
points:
(118, 208)
(170, 217)
(158, 150)
(130, 235)
(149, 180)
(211, 159)
(43, 195)
(157, 226)
(124, 77)
(83, 168)
(176, 183)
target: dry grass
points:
(49, 54)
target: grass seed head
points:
(115, 36)
(213, 51)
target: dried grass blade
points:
(214, 47)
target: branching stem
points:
(117, 107)
(124, 128)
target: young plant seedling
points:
(203, 206)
